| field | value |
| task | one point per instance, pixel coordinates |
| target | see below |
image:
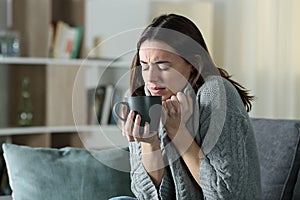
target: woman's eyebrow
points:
(158, 62)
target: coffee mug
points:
(148, 107)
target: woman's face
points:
(165, 73)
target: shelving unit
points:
(55, 120)
(58, 61)
(57, 129)
(91, 136)
(52, 80)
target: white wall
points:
(119, 24)
(200, 12)
(110, 19)
(255, 40)
(261, 51)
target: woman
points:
(205, 147)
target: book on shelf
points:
(106, 108)
(100, 103)
(92, 106)
(95, 104)
(117, 97)
(66, 40)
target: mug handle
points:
(115, 110)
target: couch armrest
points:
(279, 152)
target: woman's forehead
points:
(156, 45)
(156, 49)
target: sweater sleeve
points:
(141, 183)
(223, 171)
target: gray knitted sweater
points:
(223, 130)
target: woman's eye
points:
(144, 66)
(163, 67)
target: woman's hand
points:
(132, 129)
(150, 145)
(177, 110)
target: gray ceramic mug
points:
(148, 107)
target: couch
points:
(71, 173)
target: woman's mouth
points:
(156, 90)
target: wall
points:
(119, 23)
(260, 50)
(257, 42)
(109, 19)
(200, 12)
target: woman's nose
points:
(153, 73)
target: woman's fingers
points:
(175, 103)
(127, 128)
(172, 106)
(136, 127)
(124, 112)
(169, 107)
(124, 115)
(179, 105)
(141, 133)
(182, 98)
(147, 132)
(147, 136)
(133, 130)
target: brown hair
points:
(182, 35)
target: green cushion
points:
(67, 173)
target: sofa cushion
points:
(67, 173)
(279, 152)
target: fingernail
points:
(137, 117)
(130, 115)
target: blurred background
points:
(255, 40)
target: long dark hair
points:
(186, 39)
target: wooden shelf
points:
(58, 87)
(72, 62)
(89, 136)
(54, 125)
(57, 129)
